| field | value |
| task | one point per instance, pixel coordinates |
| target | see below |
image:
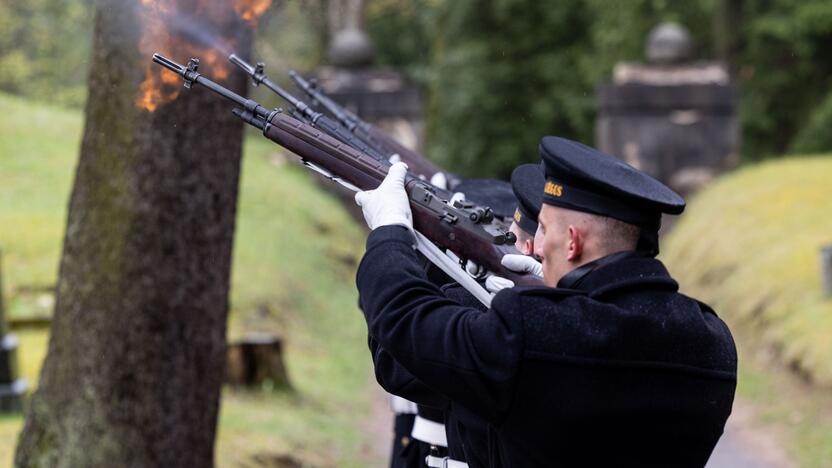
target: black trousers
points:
(407, 452)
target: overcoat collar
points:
(618, 272)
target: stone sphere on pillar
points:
(351, 48)
(669, 43)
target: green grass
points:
(749, 246)
(799, 413)
(295, 254)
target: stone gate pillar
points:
(673, 118)
(378, 95)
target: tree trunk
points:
(137, 349)
(728, 32)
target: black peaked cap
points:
(527, 183)
(493, 193)
(584, 179)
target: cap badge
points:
(553, 189)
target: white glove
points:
(439, 180)
(518, 263)
(522, 264)
(387, 205)
(474, 271)
(495, 284)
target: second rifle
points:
(466, 229)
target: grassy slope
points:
(749, 246)
(294, 258)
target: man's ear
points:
(576, 244)
(538, 242)
(528, 247)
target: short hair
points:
(612, 235)
(523, 236)
(616, 235)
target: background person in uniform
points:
(419, 429)
(466, 434)
(608, 365)
(527, 183)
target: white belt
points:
(429, 431)
(402, 406)
(444, 462)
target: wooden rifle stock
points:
(431, 216)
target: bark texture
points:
(137, 347)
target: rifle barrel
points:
(304, 112)
(191, 77)
(168, 63)
(450, 226)
(257, 75)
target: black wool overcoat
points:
(624, 372)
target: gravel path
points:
(744, 446)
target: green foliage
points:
(500, 85)
(785, 71)
(44, 47)
(500, 73)
(619, 30)
(511, 71)
(402, 32)
(287, 37)
(815, 136)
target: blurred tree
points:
(511, 71)
(44, 47)
(137, 347)
(290, 36)
(620, 29)
(785, 70)
(402, 32)
(507, 72)
(727, 26)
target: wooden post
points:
(11, 388)
(826, 268)
(255, 359)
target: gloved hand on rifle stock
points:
(518, 263)
(387, 205)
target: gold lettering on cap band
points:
(517, 215)
(553, 189)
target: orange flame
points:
(250, 10)
(180, 37)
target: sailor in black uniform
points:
(419, 429)
(608, 365)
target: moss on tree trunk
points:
(136, 355)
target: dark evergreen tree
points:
(784, 71)
(507, 72)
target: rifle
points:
(303, 112)
(366, 131)
(468, 230)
